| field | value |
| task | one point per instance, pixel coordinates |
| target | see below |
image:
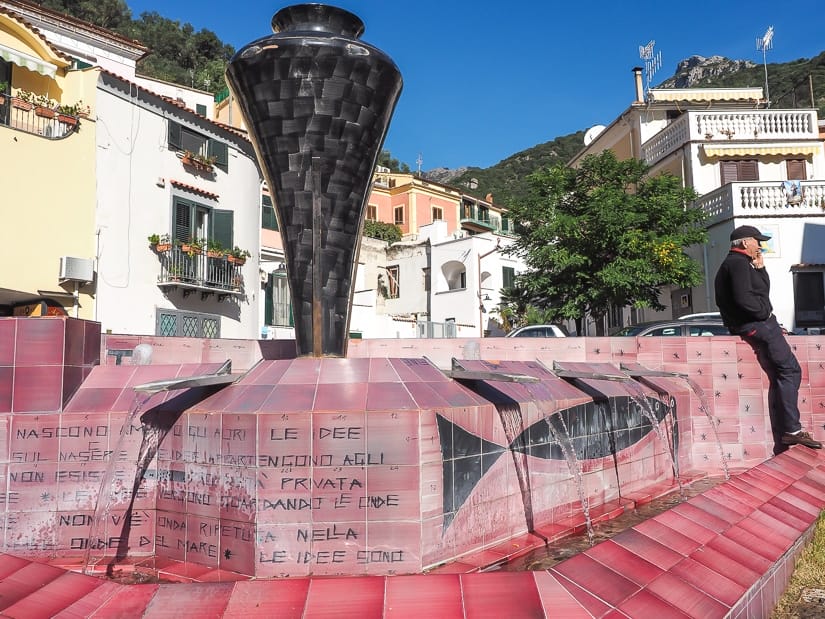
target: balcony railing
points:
(763, 198)
(727, 126)
(24, 116)
(200, 273)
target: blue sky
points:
(484, 80)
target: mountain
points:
(791, 85)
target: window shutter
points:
(200, 108)
(174, 135)
(221, 228)
(728, 171)
(748, 170)
(796, 169)
(183, 221)
(221, 151)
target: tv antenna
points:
(763, 45)
(419, 161)
(653, 61)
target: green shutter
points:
(269, 306)
(221, 151)
(183, 221)
(174, 135)
(268, 219)
(221, 228)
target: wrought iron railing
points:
(199, 271)
(29, 118)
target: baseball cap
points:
(748, 232)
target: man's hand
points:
(758, 261)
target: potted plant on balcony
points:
(4, 87)
(24, 100)
(44, 107)
(214, 249)
(160, 242)
(198, 161)
(193, 247)
(68, 114)
(238, 256)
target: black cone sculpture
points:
(317, 103)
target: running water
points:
(640, 399)
(705, 408)
(110, 487)
(513, 423)
(566, 445)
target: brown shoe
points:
(801, 438)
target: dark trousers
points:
(779, 363)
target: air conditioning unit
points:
(76, 269)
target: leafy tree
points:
(600, 236)
(383, 231)
(110, 14)
(386, 159)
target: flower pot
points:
(238, 261)
(330, 138)
(44, 112)
(214, 254)
(21, 104)
(162, 247)
(192, 250)
(66, 119)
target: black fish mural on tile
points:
(596, 429)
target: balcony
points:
(763, 199)
(723, 127)
(23, 116)
(193, 272)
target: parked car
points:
(676, 328)
(702, 316)
(539, 331)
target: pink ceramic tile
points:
(788, 515)
(686, 598)
(620, 559)
(645, 604)
(715, 508)
(389, 396)
(646, 547)
(341, 437)
(8, 331)
(672, 538)
(127, 602)
(595, 606)
(393, 437)
(491, 595)
(740, 554)
(344, 371)
(393, 492)
(286, 398)
(303, 371)
(37, 389)
(199, 599)
(89, 603)
(272, 598)
(726, 566)
(708, 581)
(54, 596)
(6, 385)
(40, 342)
(238, 548)
(700, 516)
(340, 397)
(362, 597)
(759, 545)
(437, 595)
(597, 579)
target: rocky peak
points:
(693, 70)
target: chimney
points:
(640, 91)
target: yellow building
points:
(47, 145)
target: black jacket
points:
(742, 292)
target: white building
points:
(751, 165)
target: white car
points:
(539, 331)
(702, 316)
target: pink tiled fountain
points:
(415, 472)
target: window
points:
(372, 212)
(173, 323)
(483, 213)
(796, 169)
(268, 219)
(438, 213)
(739, 170)
(196, 221)
(200, 108)
(809, 299)
(455, 274)
(508, 277)
(393, 288)
(183, 138)
(399, 215)
(277, 306)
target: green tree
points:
(386, 159)
(603, 235)
(383, 231)
(110, 14)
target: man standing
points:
(743, 296)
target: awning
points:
(705, 94)
(26, 61)
(741, 150)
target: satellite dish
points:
(591, 134)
